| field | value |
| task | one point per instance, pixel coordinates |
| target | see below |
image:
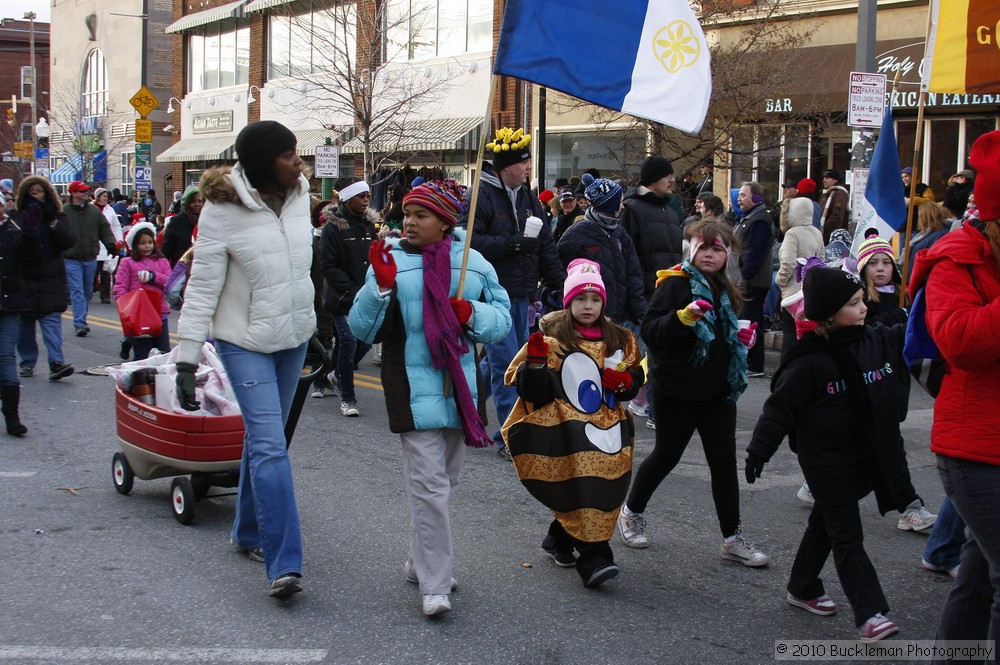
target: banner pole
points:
(918, 140)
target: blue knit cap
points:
(604, 195)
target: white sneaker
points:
(650, 425)
(805, 496)
(410, 574)
(638, 411)
(436, 604)
(350, 409)
(377, 354)
(334, 383)
(742, 550)
(317, 391)
(632, 527)
(916, 518)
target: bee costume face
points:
(574, 453)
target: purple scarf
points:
(446, 339)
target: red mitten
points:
(617, 381)
(383, 264)
(462, 309)
(538, 349)
(748, 336)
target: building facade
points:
(16, 93)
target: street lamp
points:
(43, 132)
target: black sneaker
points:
(59, 371)
(504, 453)
(601, 575)
(82, 332)
(125, 350)
(25, 372)
(564, 558)
(285, 586)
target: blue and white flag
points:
(883, 207)
(647, 58)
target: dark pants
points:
(972, 610)
(676, 422)
(592, 556)
(348, 352)
(753, 310)
(837, 528)
(103, 285)
(902, 486)
(787, 332)
(141, 346)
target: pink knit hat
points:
(581, 276)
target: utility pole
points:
(31, 16)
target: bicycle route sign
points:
(144, 101)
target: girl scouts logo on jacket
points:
(676, 46)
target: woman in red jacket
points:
(961, 274)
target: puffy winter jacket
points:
(91, 229)
(755, 233)
(655, 229)
(962, 283)
(620, 269)
(17, 250)
(497, 221)
(343, 247)
(802, 240)
(413, 388)
(45, 280)
(251, 280)
(127, 278)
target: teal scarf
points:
(704, 330)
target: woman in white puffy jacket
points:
(250, 288)
(801, 240)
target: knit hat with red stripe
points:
(445, 198)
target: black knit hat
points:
(258, 145)
(654, 168)
(502, 160)
(826, 290)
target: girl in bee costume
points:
(569, 434)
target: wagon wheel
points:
(122, 474)
(182, 499)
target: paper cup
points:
(532, 227)
(742, 324)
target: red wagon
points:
(156, 443)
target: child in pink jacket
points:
(144, 267)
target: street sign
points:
(143, 178)
(866, 103)
(144, 101)
(42, 162)
(143, 131)
(143, 154)
(859, 180)
(327, 161)
(22, 149)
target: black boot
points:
(11, 395)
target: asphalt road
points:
(90, 576)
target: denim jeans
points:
(266, 514)
(27, 344)
(141, 346)
(80, 279)
(348, 349)
(944, 545)
(498, 357)
(972, 609)
(9, 324)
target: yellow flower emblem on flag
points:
(676, 47)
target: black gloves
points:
(522, 245)
(185, 386)
(754, 467)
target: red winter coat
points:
(963, 318)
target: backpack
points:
(920, 353)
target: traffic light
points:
(10, 117)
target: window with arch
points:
(94, 86)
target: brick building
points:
(15, 84)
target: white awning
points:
(260, 5)
(229, 10)
(196, 150)
(308, 139)
(434, 134)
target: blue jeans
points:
(498, 357)
(972, 609)
(141, 346)
(9, 324)
(944, 545)
(266, 514)
(27, 344)
(80, 279)
(349, 350)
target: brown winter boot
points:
(11, 395)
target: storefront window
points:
(943, 156)
(617, 154)
(974, 128)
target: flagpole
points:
(471, 218)
(918, 140)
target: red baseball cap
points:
(79, 186)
